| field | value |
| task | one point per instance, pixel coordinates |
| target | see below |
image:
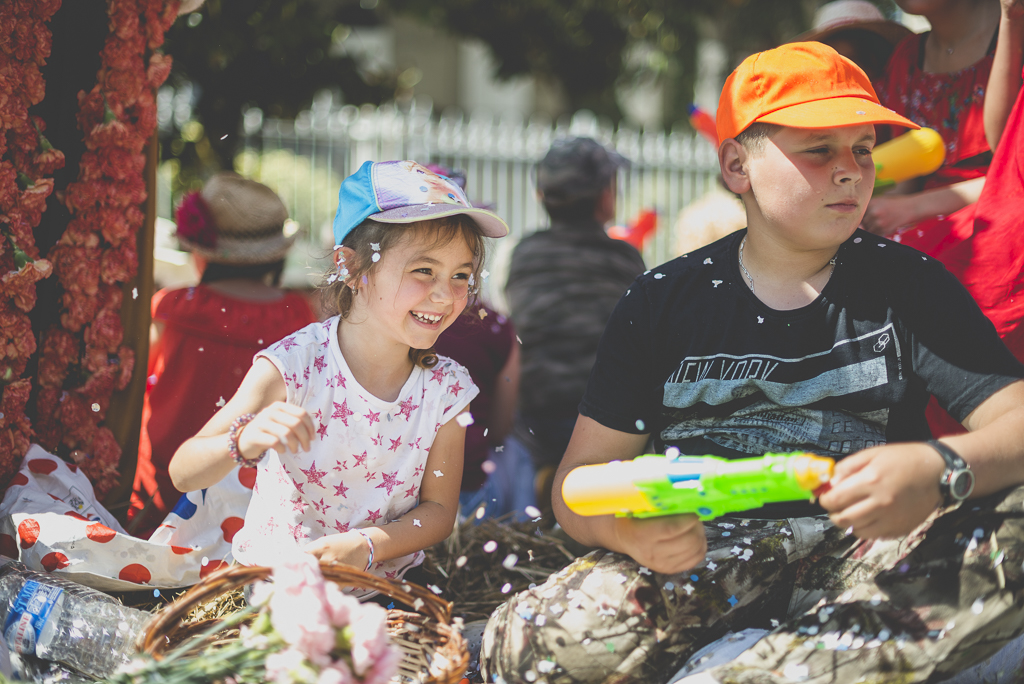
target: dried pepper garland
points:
(27, 163)
(83, 361)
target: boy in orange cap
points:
(800, 333)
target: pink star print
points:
(288, 343)
(415, 444)
(322, 430)
(360, 459)
(271, 525)
(395, 443)
(456, 388)
(373, 516)
(390, 481)
(373, 417)
(437, 375)
(321, 507)
(305, 372)
(341, 411)
(314, 475)
(370, 475)
(340, 489)
(296, 531)
(321, 523)
(341, 465)
(299, 506)
(391, 574)
(410, 492)
(299, 486)
(320, 363)
(418, 471)
(378, 440)
(407, 408)
(319, 415)
(325, 344)
(339, 380)
(340, 526)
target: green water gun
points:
(655, 484)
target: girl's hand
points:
(668, 544)
(885, 492)
(280, 426)
(886, 215)
(348, 547)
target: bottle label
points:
(28, 615)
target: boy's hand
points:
(885, 492)
(668, 544)
(280, 426)
(348, 547)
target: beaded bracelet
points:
(369, 542)
(236, 427)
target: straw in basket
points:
(433, 650)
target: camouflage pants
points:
(840, 610)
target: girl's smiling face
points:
(418, 288)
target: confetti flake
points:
(416, 522)
(712, 565)
(688, 588)
(532, 511)
(546, 666)
(606, 611)
(708, 261)
(434, 588)
(556, 609)
(438, 473)
(464, 419)
(659, 276)
(977, 606)
(716, 283)
(620, 578)
(735, 550)
(760, 319)
(856, 240)
(727, 534)
(460, 561)
(490, 546)
(540, 620)
(640, 425)
(510, 561)
(135, 293)
(669, 586)
(221, 402)
(375, 246)
(644, 571)
(417, 604)
(732, 600)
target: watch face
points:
(961, 484)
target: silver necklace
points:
(750, 278)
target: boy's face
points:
(811, 187)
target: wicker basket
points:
(433, 650)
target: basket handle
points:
(169, 618)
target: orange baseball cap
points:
(803, 85)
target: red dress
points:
(951, 104)
(207, 347)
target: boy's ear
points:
(732, 158)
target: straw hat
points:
(841, 15)
(235, 220)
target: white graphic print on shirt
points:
(367, 460)
(760, 403)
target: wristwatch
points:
(957, 481)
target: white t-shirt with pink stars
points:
(368, 457)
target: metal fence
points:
(305, 160)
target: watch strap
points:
(954, 463)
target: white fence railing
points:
(305, 160)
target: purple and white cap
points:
(404, 192)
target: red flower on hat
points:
(194, 221)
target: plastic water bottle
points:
(59, 620)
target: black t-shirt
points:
(691, 356)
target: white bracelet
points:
(369, 542)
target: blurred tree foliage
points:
(590, 46)
(271, 54)
(276, 54)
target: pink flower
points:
(370, 641)
(340, 606)
(336, 673)
(194, 221)
(298, 609)
(288, 667)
